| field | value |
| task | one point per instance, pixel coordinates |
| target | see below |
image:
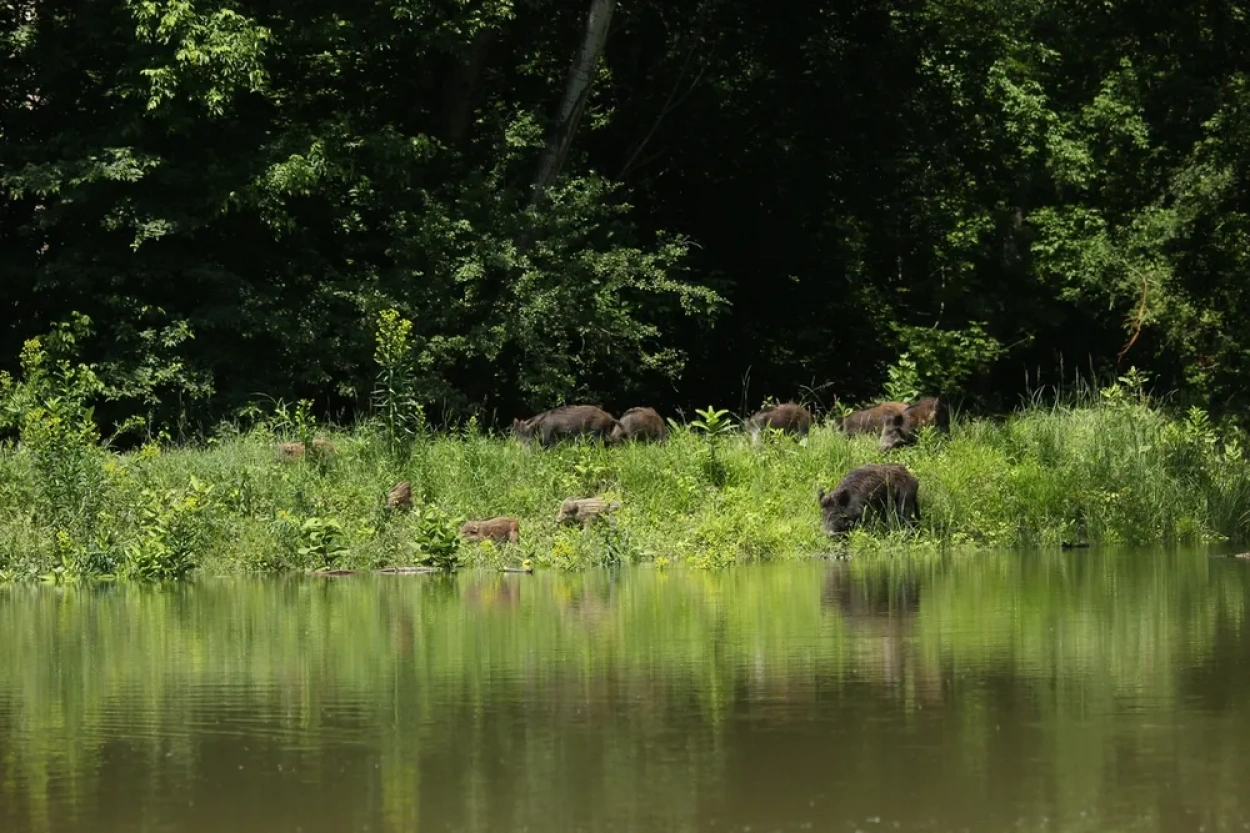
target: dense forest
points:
(626, 201)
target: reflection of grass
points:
(428, 672)
(1117, 472)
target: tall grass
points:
(1112, 470)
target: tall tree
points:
(581, 76)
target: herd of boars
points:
(895, 423)
(877, 489)
(885, 490)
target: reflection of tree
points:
(447, 703)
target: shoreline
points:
(1104, 474)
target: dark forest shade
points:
(758, 198)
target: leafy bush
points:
(170, 533)
(322, 547)
(436, 539)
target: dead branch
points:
(1140, 320)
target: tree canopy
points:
(627, 201)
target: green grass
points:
(1113, 472)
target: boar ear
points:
(897, 421)
(843, 498)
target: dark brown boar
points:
(640, 424)
(872, 420)
(400, 496)
(500, 530)
(561, 423)
(585, 510)
(879, 489)
(294, 451)
(789, 417)
(903, 428)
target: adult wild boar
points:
(500, 530)
(877, 489)
(872, 420)
(566, 421)
(789, 417)
(902, 429)
(640, 424)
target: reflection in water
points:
(879, 608)
(1076, 691)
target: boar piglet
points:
(500, 530)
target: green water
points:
(1079, 691)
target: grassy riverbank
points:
(1113, 471)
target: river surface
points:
(1068, 691)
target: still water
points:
(1078, 691)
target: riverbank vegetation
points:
(1102, 466)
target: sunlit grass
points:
(1116, 472)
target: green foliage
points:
(1033, 188)
(591, 473)
(170, 533)
(323, 546)
(217, 54)
(712, 423)
(713, 426)
(395, 400)
(1127, 390)
(436, 538)
(154, 374)
(940, 361)
(50, 404)
(903, 383)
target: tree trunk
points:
(575, 93)
(460, 87)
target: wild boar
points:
(788, 416)
(640, 424)
(400, 496)
(585, 510)
(294, 451)
(902, 429)
(564, 422)
(875, 489)
(500, 530)
(872, 420)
